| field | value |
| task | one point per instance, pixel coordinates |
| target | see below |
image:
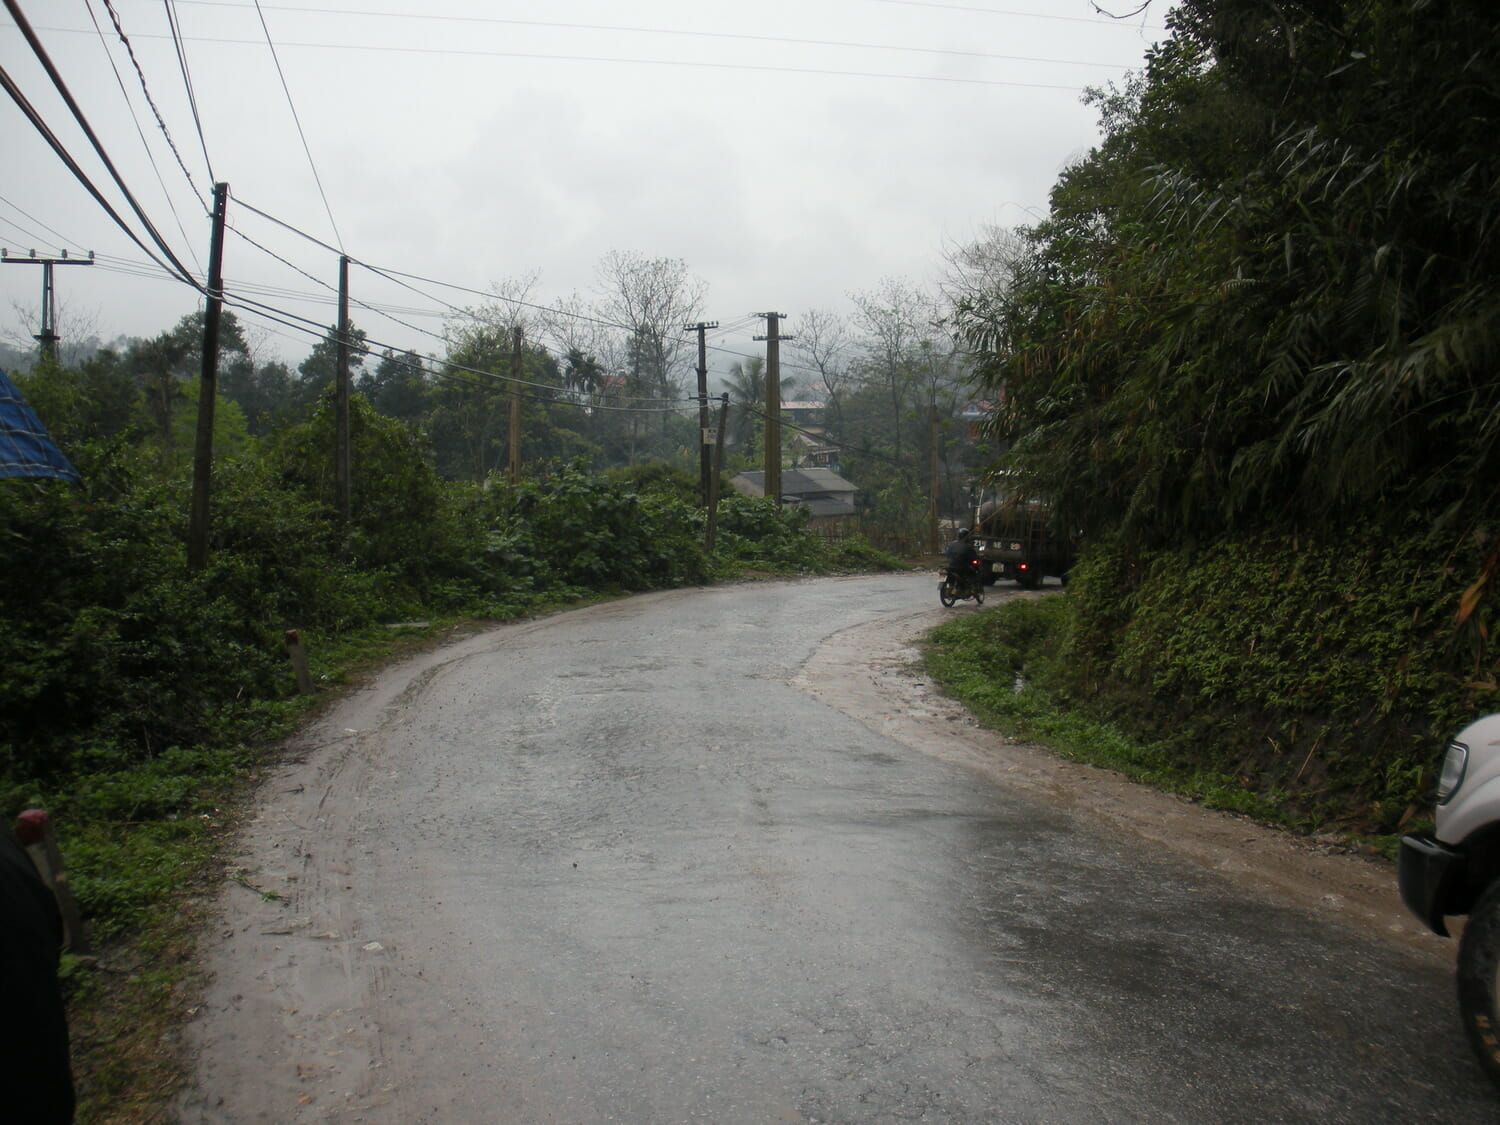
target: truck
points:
(1454, 869)
(1016, 538)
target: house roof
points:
(804, 484)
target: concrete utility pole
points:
(705, 439)
(773, 403)
(342, 475)
(203, 450)
(48, 336)
(515, 403)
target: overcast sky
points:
(790, 151)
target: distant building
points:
(828, 497)
(804, 411)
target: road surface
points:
(720, 855)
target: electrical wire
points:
(67, 96)
(145, 90)
(777, 40)
(1004, 12)
(135, 119)
(626, 60)
(41, 126)
(61, 240)
(311, 163)
(187, 81)
(370, 345)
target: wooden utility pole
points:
(341, 441)
(713, 480)
(48, 336)
(203, 450)
(773, 403)
(515, 403)
(932, 497)
(705, 441)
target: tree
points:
(263, 393)
(167, 365)
(747, 403)
(651, 300)
(822, 343)
(398, 387)
(471, 403)
(894, 318)
(319, 371)
(1269, 297)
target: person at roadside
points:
(36, 1079)
(961, 557)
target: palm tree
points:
(747, 394)
(747, 404)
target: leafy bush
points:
(1321, 675)
(577, 531)
(754, 531)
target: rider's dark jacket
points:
(960, 554)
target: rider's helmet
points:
(963, 533)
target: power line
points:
(145, 90)
(61, 240)
(187, 81)
(314, 328)
(135, 119)
(1009, 12)
(41, 126)
(698, 64)
(317, 179)
(62, 88)
(778, 40)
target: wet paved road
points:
(615, 867)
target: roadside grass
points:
(992, 662)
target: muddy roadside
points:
(874, 673)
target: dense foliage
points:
(1311, 684)
(1251, 356)
(1270, 296)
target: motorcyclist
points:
(961, 558)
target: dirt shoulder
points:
(873, 673)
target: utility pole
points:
(773, 403)
(713, 480)
(932, 502)
(203, 451)
(341, 440)
(515, 403)
(48, 336)
(704, 439)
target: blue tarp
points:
(26, 449)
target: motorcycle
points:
(958, 586)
